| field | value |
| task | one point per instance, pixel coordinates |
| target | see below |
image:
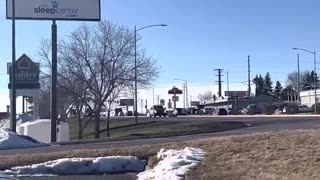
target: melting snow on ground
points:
(11, 140)
(75, 166)
(174, 164)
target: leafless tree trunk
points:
(101, 58)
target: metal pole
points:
(13, 122)
(315, 82)
(153, 96)
(135, 75)
(141, 106)
(187, 100)
(184, 95)
(298, 89)
(228, 87)
(54, 83)
(23, 105)
(249, 78)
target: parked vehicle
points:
(121, 113)
(209, 110)
(252, 109)
(103, 112)
(222, 111)
(157, 110)
(304, 108)
(181, 111)
(129, 113)
(89, 112)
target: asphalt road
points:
(256, 124)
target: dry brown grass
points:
(285, 155)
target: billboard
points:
(81, 10)
(174, 90)
(126, 102)
(27, 73)
(195, 103)
(236, 93)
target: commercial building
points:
(307, 97)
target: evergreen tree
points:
(259, 83)
(267, 85)
(278, 89)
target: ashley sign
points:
(26, 70)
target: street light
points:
(135, 66)
(185, 93)
(315, 75)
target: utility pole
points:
(227, 80)
(184, 95)
(158, 99)
(141, 106)
(153, 96)
(298, 88)
(219, 80)
(249, 78)
(187, 95)
(228, 87)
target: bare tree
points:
(72, 92)
(101, 59)
(208, 95)
(63, 100)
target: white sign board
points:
(175, 98)
(81, 10)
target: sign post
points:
(175, 98)
(53, 105)
(26, 75)
(13, 121)
(75, 10)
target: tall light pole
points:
(135, 67)
(298, 78)
(186, 91)
(315, 75)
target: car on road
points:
(157, 110)
(222, 111)
(252, 109)
(209, 110)
(181, 111)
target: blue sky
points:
(201, 36)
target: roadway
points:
(255, 124)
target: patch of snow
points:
(174, 164)
(40, 130)
(11, 140)
(75, 166)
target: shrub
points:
(292, 108)
(269, 109)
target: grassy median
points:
(283, 155)
(125, 128)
